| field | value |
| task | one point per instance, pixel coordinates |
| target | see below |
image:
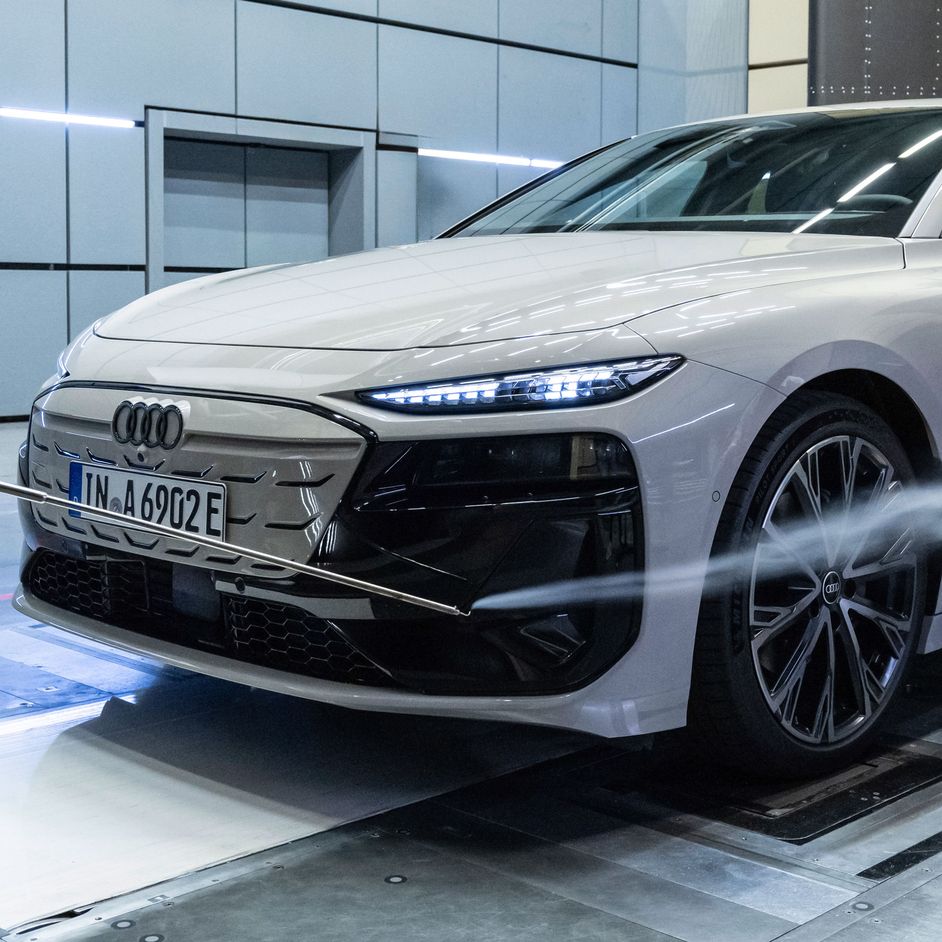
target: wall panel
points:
(366, 7)
(396, 197)
(37, 298)
(32, 191)
(204, 205)
(550, 106)
(285, 205)
(478, 17)
(125, 54)
(93, 294)
(778, 34)
(440, 88)
(620, 29)
(662, 54)
(778, 89)
(692, 59)
(32, 63)
(306, 66)
(448, 191)
(619, 102)
(778, 30)
(556, 24)
(106, 196)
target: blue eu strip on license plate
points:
(184, 505)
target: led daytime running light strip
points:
(565, 386)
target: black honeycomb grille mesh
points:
(137, 594)
(290, 638)
(73, 584)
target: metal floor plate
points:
(601, 844)
(536, 854)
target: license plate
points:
(187, 506)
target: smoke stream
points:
(886, 528)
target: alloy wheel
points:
(831, 596)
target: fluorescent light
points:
(813, 221)
(489, 158)
(63, 118)
(918, 147)
(850, 194)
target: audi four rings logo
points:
(151, 424)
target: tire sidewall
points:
(738, 533)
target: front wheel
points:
(802, 649)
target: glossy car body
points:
(755, 315)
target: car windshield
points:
(852, 172)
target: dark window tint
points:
(857, 172)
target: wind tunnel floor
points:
(144, 804)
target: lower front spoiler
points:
(587, 710)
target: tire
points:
(825, 599)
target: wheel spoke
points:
(790, 546)
(849, 530)
(882, 567)
(769, 621)
(822, 729)
(867, 689)
(878, 512)
(807, 476)
(784, 694)
(893, 628)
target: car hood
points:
(450, 292)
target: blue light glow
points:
(500, 159)
(564, 386)
(62, 117)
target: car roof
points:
(909, 104)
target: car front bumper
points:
(681, 436)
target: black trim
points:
(442, 31)
(362, 430)
(13, 418)
(80, 266)
(188, 138)
(777, 65)
(300, 145)
(66, 266)
(909, 857)
(398, 148)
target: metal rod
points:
(32, 496)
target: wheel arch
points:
(894, 405)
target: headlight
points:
(586, 385)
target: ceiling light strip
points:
(500, 159)
(62, 117)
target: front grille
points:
(285, 472)
(73, 584)
(289, 638)
(137, 594)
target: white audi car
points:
(623, 451)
